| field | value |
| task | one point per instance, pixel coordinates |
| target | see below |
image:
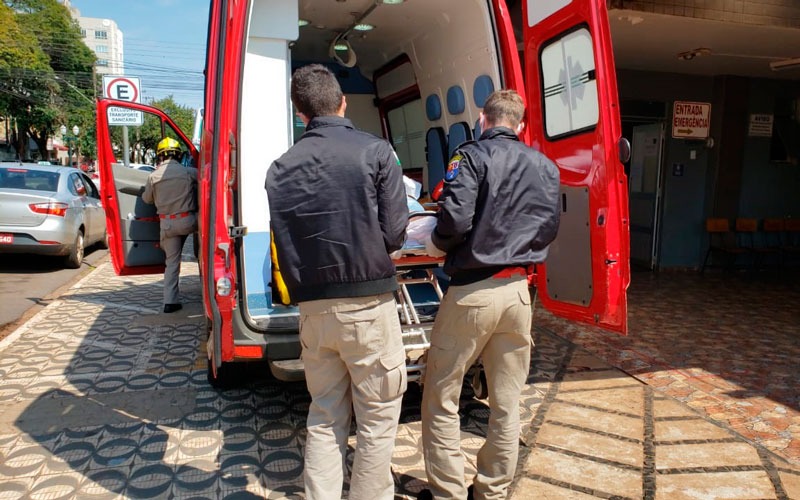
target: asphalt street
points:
(28, 282)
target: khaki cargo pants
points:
(353, 354)
(490, 319)
(173, 235)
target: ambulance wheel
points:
(479, 385)
(224, 378)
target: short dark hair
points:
(315, 91)
(504, 106)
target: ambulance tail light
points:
(248, 351)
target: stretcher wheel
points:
(479, 385)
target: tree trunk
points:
(41, 142)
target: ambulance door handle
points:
(624, 147)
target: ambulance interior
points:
(413, 71)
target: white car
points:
(50, 211)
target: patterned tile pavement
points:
(103, 397)
(728, 345)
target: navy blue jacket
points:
(499, 207)
(338, 208)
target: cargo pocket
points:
(526, 311)
(395, 381)
(470, 308)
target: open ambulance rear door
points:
(573, 118)
(133, 226)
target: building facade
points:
(740, 61)
(105, 39)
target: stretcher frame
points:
(415, 329)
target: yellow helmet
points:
(168, 145)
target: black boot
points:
(171, 308)
(425, 495)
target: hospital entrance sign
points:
(123, 88)
(690, 120)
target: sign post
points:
(691, 120)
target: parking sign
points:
(123, 88)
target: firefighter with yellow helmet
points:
(172, 188)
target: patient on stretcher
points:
(420, 224)
(419, 229)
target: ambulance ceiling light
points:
(691, 54)
(363, 27)
(392, 2)
(634, 20)
(303, 22)
(785, 64)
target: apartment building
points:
(105, 39)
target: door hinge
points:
(237, 231)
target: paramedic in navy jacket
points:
(498, 213)
(338, 209)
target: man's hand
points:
(432, 249)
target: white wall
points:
(266, 113)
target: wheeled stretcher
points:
(418, 297)
(415, 272)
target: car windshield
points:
(34, 180)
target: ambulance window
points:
(187, 160)
(134, 136)
(570, 86)
(407, 131)
(298, 127)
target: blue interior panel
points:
(455, 100)
(459, 133)
(481, 89)
(433, 107)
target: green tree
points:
(25, 77)
(61, 91)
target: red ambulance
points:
(416, 72)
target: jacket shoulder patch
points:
(452, 167)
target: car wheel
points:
(75, 257)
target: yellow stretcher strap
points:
(279, 286)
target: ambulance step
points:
(288, 370)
